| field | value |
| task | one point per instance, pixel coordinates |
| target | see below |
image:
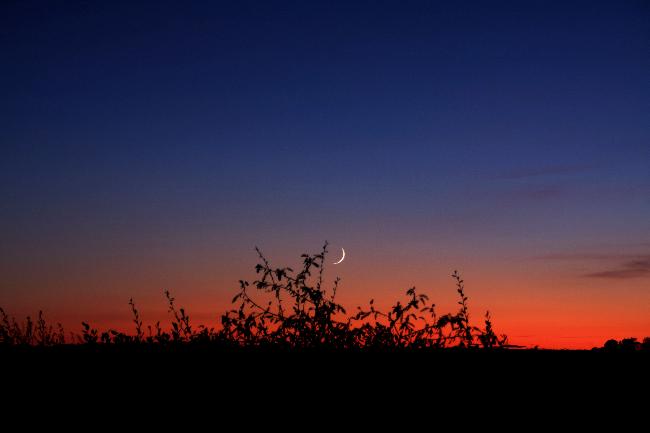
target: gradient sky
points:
(153, 145)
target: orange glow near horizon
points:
(529, 306)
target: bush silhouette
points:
(302, 313)
(626, 345)
(610, 345)
(29, 333)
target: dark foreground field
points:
(72, 362)
(325, 388)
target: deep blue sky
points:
(131, 132)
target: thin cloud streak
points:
(589, 256)
(623, 266)
(543, 171)
(627, 270)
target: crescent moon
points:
(336, 263)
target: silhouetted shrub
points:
(29, 333)
(627, 345)
(302, 313)
(611, 345)
(646, 344)
(630, 344)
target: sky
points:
(152, 145)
